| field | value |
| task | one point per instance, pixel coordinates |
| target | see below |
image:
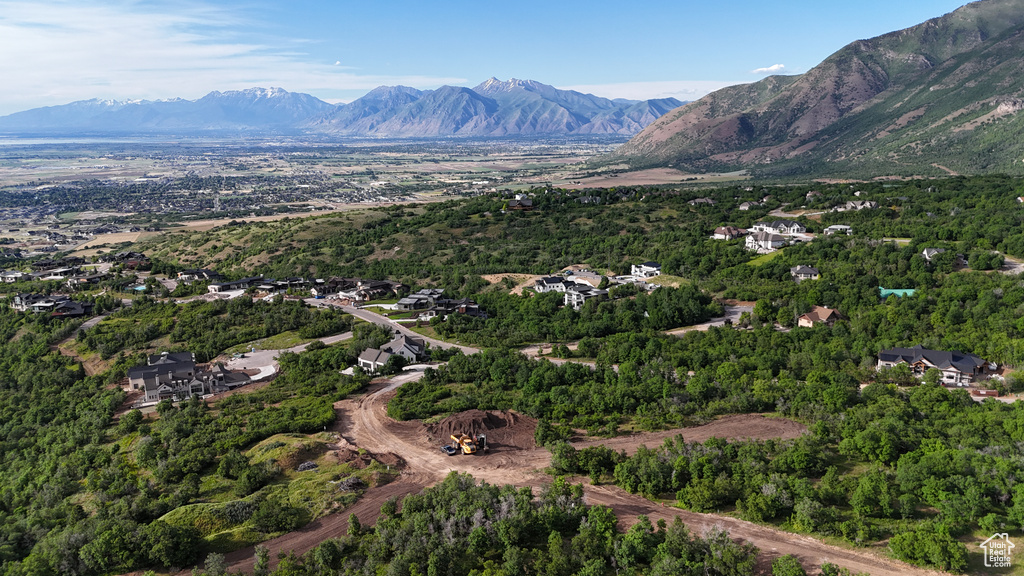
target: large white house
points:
(577, 294)
(782, 227)
(765, 242)
(645, 270)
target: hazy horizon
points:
(62, 51)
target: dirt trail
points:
(364, 422)
(772, 542)
(367, 508)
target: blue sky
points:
(55, 52)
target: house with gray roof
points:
(175, 376)
(838, 229)
(373, 360)
(764, 242)
(958, 368)
(781, 227)
(412, 349)
(804, 273)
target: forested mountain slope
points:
(944, 92)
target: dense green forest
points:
(448, 244)
(516, 320)
(886, 456)
(209, 328)
(462, 527)
(85, 494)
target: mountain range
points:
(943, 96)
(492, 109)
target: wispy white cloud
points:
(680, 89)
(769, 69)
(58, 51)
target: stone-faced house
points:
(175, 376)
(958, 368)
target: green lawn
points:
(764, 258)
(276, 342)
(669, 280)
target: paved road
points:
(732, 313)
(384, 321)
(267, 358)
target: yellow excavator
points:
(465, 443)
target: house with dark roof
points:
(85, 280)
(958, 368)
(804, 273)
(550, 284)
(175, 376)
(71, 309)
(520, 202)
(191, 275)
(57, 305)
(577, 295)
(240, 284)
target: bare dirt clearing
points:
(363, 422)
(521, 280)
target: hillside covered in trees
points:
(889, 456)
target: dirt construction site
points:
(512, 458)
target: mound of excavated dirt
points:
(504, 430)
(361, 460)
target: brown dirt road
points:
(364, 422)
